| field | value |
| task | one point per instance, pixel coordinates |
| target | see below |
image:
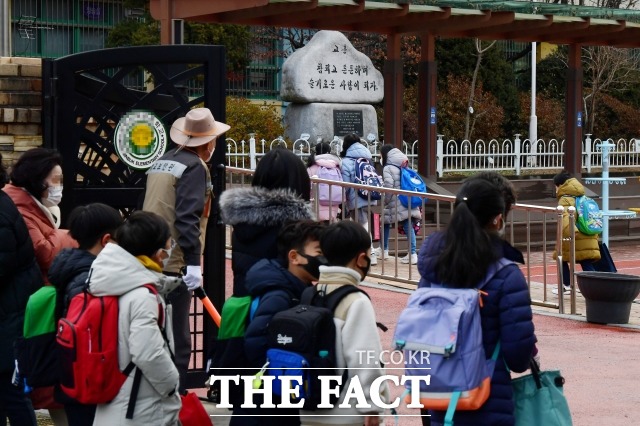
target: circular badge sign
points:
(140, 139)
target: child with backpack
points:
(278, 285)
(469, 254)
(144, 330)
(393, 161)
(323, 164)
(355, 157)
(92, 226)
(568, 190)
(347, 247)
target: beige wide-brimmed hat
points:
(197, 128)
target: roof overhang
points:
(405, 18)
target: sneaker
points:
(374, 259)
(380, 253)
(567, 290)
(413, 258)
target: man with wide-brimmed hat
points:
(179, 189)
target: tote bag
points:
(539, 400)
(192, 412)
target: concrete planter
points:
(608, 296)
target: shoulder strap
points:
(308, 294)
(494, 268)
(137, 377)
(334, 298)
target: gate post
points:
(516, 150)
(587, 151)
(440, 155)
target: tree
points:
(474, 79)
(606, 69)
(487, 118)
(458, 57)
(616, 119)
(550, 113)
(144, 31)
(246, 117)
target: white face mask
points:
(54, 195)
(501, 231)
(210, 154)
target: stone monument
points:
(331, 87)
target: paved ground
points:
(600, 363)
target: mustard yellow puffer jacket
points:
(586, 245)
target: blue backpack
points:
(410, 180)
(366, 175)
(444, 324)
(589, 217)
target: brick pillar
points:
(20, 106)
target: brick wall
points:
(20, 106)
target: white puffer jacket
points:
(115, 272)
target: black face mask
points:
(313, 264)
(365, 270)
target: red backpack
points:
(88, 342)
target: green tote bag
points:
(539, 400)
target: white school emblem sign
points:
(140, 139)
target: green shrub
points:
(246, 117)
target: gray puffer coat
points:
(391, 174)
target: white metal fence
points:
(516, 155)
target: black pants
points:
(80, 414)
(180, 300)
(14, 403)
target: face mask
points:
(313, 264)
(502, 229)
(54, 195)
(210, 155)
(168, 253)
(365, 270)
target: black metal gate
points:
(86, 94)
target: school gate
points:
(108, 112)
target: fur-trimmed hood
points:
(262, 207)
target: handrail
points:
(434, 218)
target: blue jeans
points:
(586, 265)
(408, 229)
(14, 403)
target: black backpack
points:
(302, 342)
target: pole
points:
(533, 119)
(604, 147)
(5, 32)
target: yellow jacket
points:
(586, 245)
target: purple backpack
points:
(441, 335)
(329, 195)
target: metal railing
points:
(515, 156)
(528, 229)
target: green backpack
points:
(36, 352)
(228, 356)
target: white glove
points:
(193, 277)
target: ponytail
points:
(469, 250)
